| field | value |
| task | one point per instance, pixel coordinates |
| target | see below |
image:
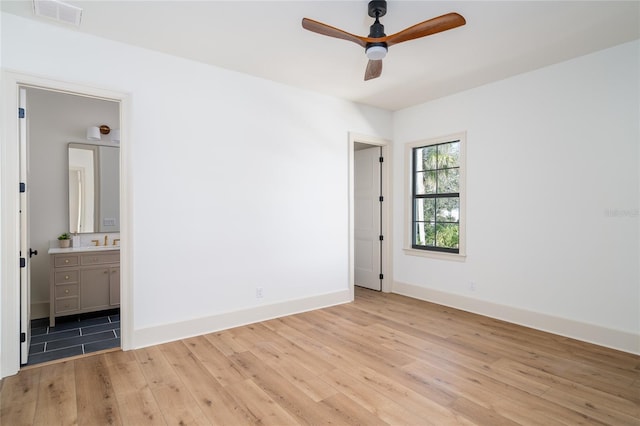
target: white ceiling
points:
(265, 39)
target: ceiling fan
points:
(377, 43)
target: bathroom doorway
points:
(11, 252)
(70, 309)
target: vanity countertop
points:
(90, 249)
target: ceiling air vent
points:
(59, 11)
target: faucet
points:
(106, 240)
(96, 242)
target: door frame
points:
(9, 216)
(387, 245)
(25, 229)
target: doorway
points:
(12, 257)
(370, 213)
(64, 320)
(368, 203)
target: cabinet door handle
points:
(66, 277)
(105, 271)
(66, 291)
(66, 261)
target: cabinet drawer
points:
(66, 260)
(63, 277)
(97, 259)
(69, 304)
(66, 290)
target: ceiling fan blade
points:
(432, 26)
(328, 30)
(374, 69)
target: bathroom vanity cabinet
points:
(83, 281)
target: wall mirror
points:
(94, 188)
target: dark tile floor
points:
(74, 335)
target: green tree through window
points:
(436, 197)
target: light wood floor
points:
(384, 359)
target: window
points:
(437, 195)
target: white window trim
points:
(408, 167)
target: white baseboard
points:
(170, 332)
(591, 333)
(39, 310)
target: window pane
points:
(448, 155)
(417, 159)
(425, 209)
(448, 181)
(448, 209)
(424, 234)
(426, 183)
(447, 235)
(426, 158)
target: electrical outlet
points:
(472, 286)
(259, 294)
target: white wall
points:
(552, 194)
(55, 119)
(237, 182)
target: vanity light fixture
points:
(115, 135)
(94, 133)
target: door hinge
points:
(23, 337)
(23, 262)
(381, 237)
(381, 276)
(23, 187)
(381, 199)
(21, 112)
(381, 159)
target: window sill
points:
(456, 257)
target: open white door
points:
(25, 247)
(367, 223)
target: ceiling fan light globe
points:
(375, 53)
